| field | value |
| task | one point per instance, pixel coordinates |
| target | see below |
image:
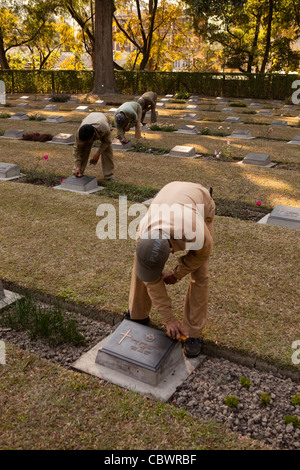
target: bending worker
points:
(96, 126)
(126, 116)
(187, 225)
(148, 102)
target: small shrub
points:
(245, 382)
(231, 401)
(292, 419)
(156, 127)
(295, 400)
(5, 115)
(33, 117)
(238, 105)
(60, 97)
(36, 137)
(178, 101)
(264, 399)
(207, 131)
(182, 96)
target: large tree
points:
(105, 82)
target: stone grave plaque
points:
(255, 105)
(165, 100)
(117, 145)
(112, 111)
(190, 116)
(63, 139)
(295, 141)
(82, 109)
(55, 119)
(2, 294)
(192, 107)
(73, 100)
(264, 112)
(160, 105)
(227, 110)
(260, 159)
(100, 103)
(247, 100)
(84, 184)
(285, 216)
(13, 134)
(277, 102)
(279, 123)
(182, 151)
(288, 107)
(19, 117)
(193, 101)
(233, 119)
(9, 171)
(138, 351)
(169, 96)
(23, 105)
(222, 103)
(51, 107)
(25, 98)
(241, 134)
(188, 129)
(220, 98)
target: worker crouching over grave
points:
(126, 116)
(96, 126)
(187, 225)
(148, 103)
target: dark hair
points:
(86, 132)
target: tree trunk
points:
(254, 43)
(105, 82)
(3, 60)
(268, 38)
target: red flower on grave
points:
(258, 203)
(46, 157)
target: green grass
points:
(42, 321)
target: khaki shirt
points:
(102, 125)
(133, 112)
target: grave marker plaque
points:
(255, 105)
(188, 129)
(82, 109)
(117, 145)
(190, 116)
(295, 141)
(55, 119)
(265, 112)
(100, 103)
(160, 105)
(23, 105)
(227, 110)
(63, 139)
(9, 171)
(259, 159)
(233, 120)
(51, 107)
(19, 117)
(112, 111)
(85, 184)
(182, 151)
(241, 134)
(24, 98)
(169, 96)
(13, 134)
(285, 216)
(279, 123)
(192, 107)
(138, 351)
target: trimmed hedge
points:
(260, 86)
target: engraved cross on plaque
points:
(125, 335)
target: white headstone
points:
(192, 107)
(227, 110)
(183, 151)
(64, 139)
(13, 134)
(82, 109)
(19, 117)
(190, 116)
(165, 100)
(169, 96)
(24, 98)
(255, 105)
(288, 107)
(2, 92)
(160, 105)
(9, 171)
(100, 103)
(83, 185)
(55, 119)
(23, 105)
(112, 111)
(265, 112)
(285, 216)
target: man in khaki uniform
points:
(126, 116)
(148, 279)
(148, 102)
(96, 126)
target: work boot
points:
(144, 321)
(192, 347)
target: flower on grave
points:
(258, 203)
(271, 129)
(63, 179)
(228, 142)
(46, 157)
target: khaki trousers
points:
(145, 294)
(107, 158)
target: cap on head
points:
(141, 101)
(86, 132)
(121, 119)
(152, 254)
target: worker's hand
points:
(94, 160)
(175, 330)
(124, 140)
(77, 172)
(169, 278)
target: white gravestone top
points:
(260, 159)
(13, 134)
(188, 129)
(19, 117)
(241, 134)
(9, 171)
(285, 216)
(55, 119)
(64, 139)
(182, 151)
